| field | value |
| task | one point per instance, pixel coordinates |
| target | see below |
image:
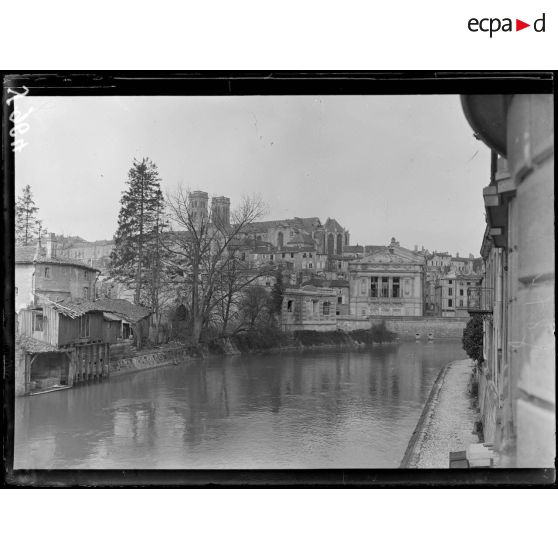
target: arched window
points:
(280, 239)
(339, 243)
(330, 243)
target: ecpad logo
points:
(494, 24)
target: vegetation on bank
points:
(473, 338)
(269, 338)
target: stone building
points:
(387, 282)
(306, 233)
(96, 253)
(451, 298)
(309, 308)
(516, 300)
(198, 206)
(341, 288)
(41, 271)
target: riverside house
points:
(517, 380)
(310, 308)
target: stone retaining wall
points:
(158, 358)
(408, 326)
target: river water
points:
(299, 410)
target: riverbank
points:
(253, 342)
(447, 421)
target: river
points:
(323, 409)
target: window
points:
(86, 274)
(461, 292)
(85, 292)
(396, 289)
(16, 290)
(271, 257)
(283, 255)
(243, 256)
(374, 287)
(450, 292)
(363, 312)
(304, 255)
(289, 305)
(450, 282)
(315, 307)
(38, 321)
(47, 272)
(468, 283)
(84, 326)
(460, 303)
(326, 308)
(339, 300)
(385, 287)
(450, 303)
(363, 286)
(310, 266)
(292, 254)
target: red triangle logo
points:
(519, 25)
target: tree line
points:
(190, 270)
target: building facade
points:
(516, 300)
(451, 298)
(309, 308)
(40, 271)
(387, 282)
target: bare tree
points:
(207, 258)
(256, 307)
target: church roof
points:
(333, 225)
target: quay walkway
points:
(447, 421)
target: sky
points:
(384, 166)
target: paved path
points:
(447, 422)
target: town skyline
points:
(320, 156)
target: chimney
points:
(51, 246)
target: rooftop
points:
(28, 255)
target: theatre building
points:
(389, 281)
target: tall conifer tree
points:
(135, 260)
(27, 224)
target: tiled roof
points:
(110, 317)
(73, 308)
(301, 238)
(28, 254)
(34, 345)
(301, 222)
(25, 254)
(65, 261)
(130, 312)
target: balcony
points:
(480, 300)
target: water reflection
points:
(333, 409)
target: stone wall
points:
(531, 159)
(145, 361)
(406, 327)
